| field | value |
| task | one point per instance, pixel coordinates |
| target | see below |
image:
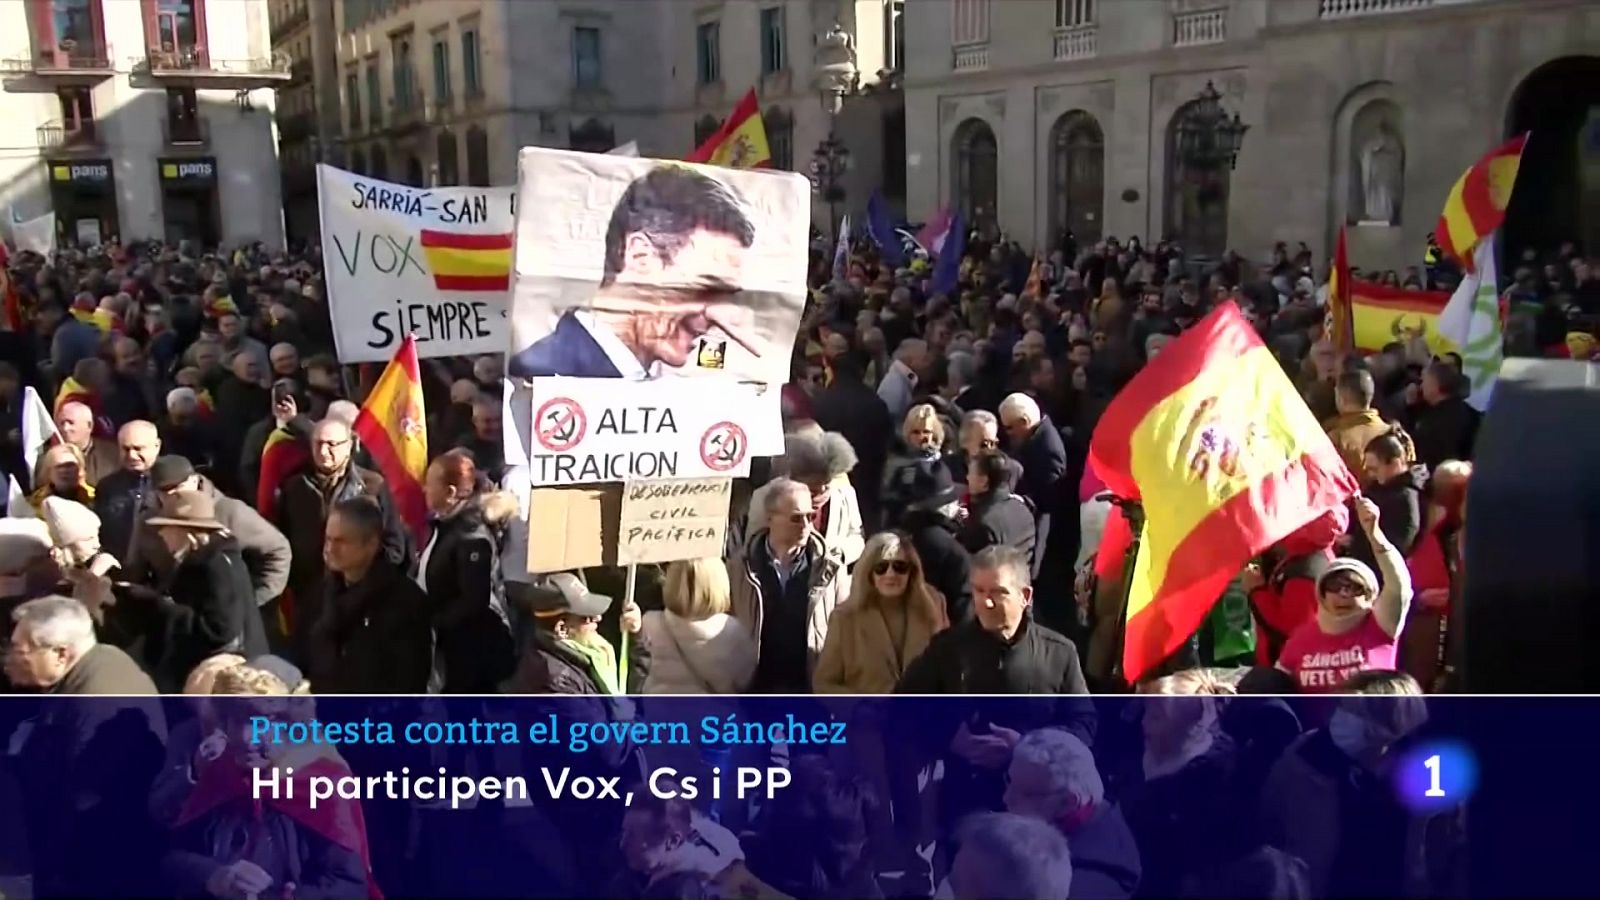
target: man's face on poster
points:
(693, 286)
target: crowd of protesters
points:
(931, 528)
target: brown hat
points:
(194, 510)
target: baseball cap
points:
(168, 472)
(564, 593)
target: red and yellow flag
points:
(1477, 204)
(74, 391)
(468, 262)
(741, 142)
(1340, 325)
(393, 427)
(281, 456)
(1382, 315)
(1034, 286)
(1227, 460)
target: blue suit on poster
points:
(569, 349)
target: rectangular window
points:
(969, 21)
(471, 79)
(1073, 13)
(587, 70)
(352, 98)
(441, 69)
(405, 87)
(708, 52)
(374, 95)
(77, 113)
(771, 40)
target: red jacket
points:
(1289, 598)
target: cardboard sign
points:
(663, 521)
(432, 262)
(601, 430)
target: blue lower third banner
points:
(965, 797)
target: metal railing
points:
(1081, 42)
(58, 61)
(1349, 9)
(199, 61)
(56, 135)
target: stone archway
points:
(1077, 177)
(1197, 193)
(1557, 197)
(977, 175)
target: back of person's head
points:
(1189, 682)
(1355, 390)
(1266, 680)
(1013, 858)
(1381, 683)
(1393, 446)
(997, 469)
(1266, 872)
(696, 589)
(202, 678)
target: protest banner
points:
(37, 234)
(434, 262)
(641, 268)
(599, 430)
(663, 521)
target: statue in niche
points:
(1382, 171)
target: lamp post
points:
(1207, 137)
(837, 77)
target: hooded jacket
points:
(460, 570)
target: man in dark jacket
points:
(242, 401)
(851, 408)
(1446, 427)
(124, 497)
(373, 635)
(995, 516)
(303, 501)
(1037, 445)
(934, 501)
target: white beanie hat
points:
(70, 522)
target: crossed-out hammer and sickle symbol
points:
(561, 429)
(727, 445)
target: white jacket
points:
(721, 656)
(841, 532)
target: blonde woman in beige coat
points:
(891, 615)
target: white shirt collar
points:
(615, 350)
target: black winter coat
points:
(999, 518)
(212, 610)
(372, 637)
(467, 597)
(1400, 508)
(946, 565)
(1444, 431)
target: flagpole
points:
(1133, 510)
(626, 640)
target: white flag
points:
(1472, 320)
(37, 234)
(38, 427)
(631, 148)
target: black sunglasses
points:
(898, 566)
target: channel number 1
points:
(1434, 790)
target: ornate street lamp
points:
(1207, 136)
(837, 77)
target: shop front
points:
(83, 193)
(190, 208)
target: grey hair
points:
(910, 348)
(1006, 561)
(1021, 406)
(980, 417)
(778, 487)
(818, 458)
(961, 367)
(56, 621)
(182, 400)
(1023, 858)
(1074, 780)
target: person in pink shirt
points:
(1357, 626)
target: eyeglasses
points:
(885, 566)
(1349, 587)
(799, 518)
(330, 445)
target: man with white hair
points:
(76, 423)
(1053, 778)
(53, 649)
(185, 430)
(1005, 856)
(1036, 444)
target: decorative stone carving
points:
(1382, 171)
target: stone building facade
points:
(1034, 116)
(138, 119)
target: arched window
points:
(1077, 177)
(1197, 185)
(977, 175)
(380, 163)
(358, 162)
(449, 164)
(705, 128)
(593, 136)
(414, 172)
(780, 138)
(477, 157)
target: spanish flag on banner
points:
(468, 262)
(741, 142)
(1477, 204)
(393, 428)
(1382, 315)
(1226, 459)
(282, 455)
(1340, 327)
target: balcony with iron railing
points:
(68, 62)
(196, 67)
(1077, 42)
(186, 132)
(1349, 9)
(56, 136)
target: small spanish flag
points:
(468, 262)
(1034, 287)
(1340, 325)
(1477, 204)
(741, 142)
(1226, 459)
(393, 427)
(280, 457)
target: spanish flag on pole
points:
(393, 427)
(741, 142)
(1477, 204)
(1340, 318)
(1226, 459)
(282, 455)
(1381, 315)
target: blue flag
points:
(947, 269)
(882, 231)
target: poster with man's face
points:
(644, 269)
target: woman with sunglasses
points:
(1357, 626)
(887, 622)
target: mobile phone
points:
(281, 392)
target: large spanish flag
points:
(1226, 459)
(393, 427)
(468, 262)
(1340, 325)
(741, 142)
(1382, 315)
(1477, 204)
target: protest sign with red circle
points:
(723, 447)
(560, 424)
